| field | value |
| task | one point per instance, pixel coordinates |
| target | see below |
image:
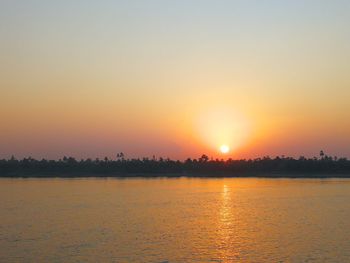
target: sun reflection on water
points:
(225, 211)
(228, 251)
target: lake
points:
(175, 220)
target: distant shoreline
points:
(203, 167)
(168, 176)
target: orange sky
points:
(174, 80)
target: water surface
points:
(175, 220)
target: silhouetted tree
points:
(204, 158)
(321, 154)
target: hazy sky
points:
(174, 78)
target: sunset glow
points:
(224, 148)
(225, 125)
(174, 131)
(160, 80)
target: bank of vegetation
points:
(280, 166)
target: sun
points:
(224, 148)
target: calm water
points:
(174, 220)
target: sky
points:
(174, 78)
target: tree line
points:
(280, 166)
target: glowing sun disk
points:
(224, 148)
